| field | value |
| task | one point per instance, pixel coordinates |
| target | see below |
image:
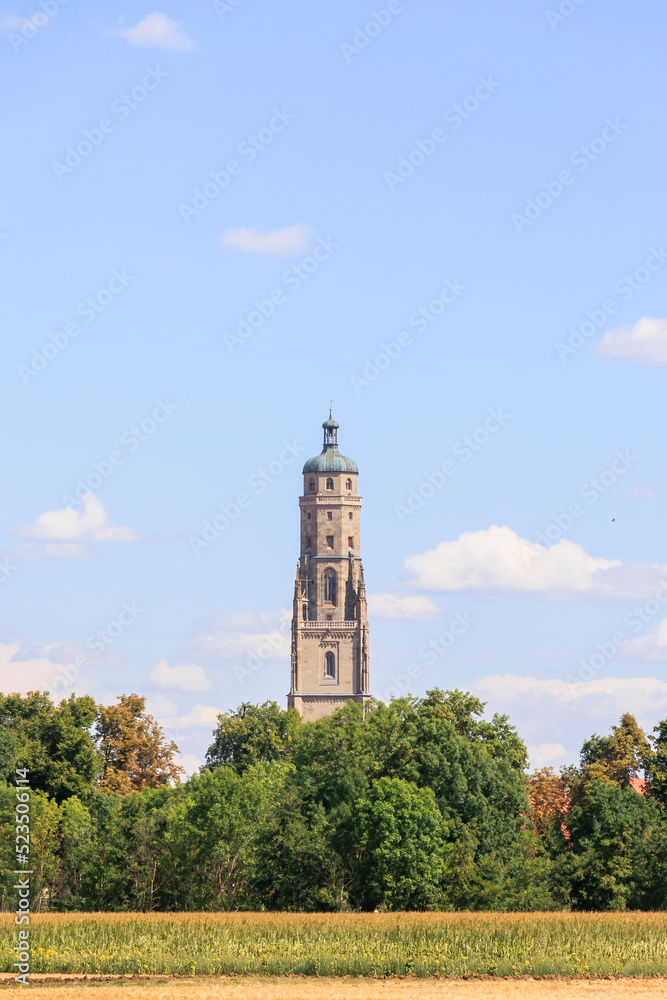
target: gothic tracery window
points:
(330, 586)
(311, 485)
(348, 484)
(330, 485)
(329, 665)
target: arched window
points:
(348, 484)
(311, 485)
(330, 586)
(329, 665)
(329, 483)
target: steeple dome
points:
(330, 459)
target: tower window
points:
(305, 612)
(308, 544)
(329, 665)
(329, 541)
(329, 515)
(348, 484)
(308, 517)
(311, 485)
(330, 586)
(349, 515)
(330, 485)
(350, 542)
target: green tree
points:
(53, 741)
(253, 734)
(473, 768)
(402, 838)
(297, 867)
(616, 758)
(618, 839)
(44, 849)
(658, 765)
(78, 852)
(222, 818)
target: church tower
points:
(329, 624)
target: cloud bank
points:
(497, 559)
(69, 525)
(645, 343)
(190, 677)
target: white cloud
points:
(497, 559)
(627, 694)
(190, 677)
(189, 762)
(651, 647)
(238, 636)
(290, 239)
(159, 706)
(544, 753)
(22, 673)
(166, 712)
(159, 31)
(551, 710)
(32, 666)
(645, 343)
(69, 525)
(396, 606)
(200, 715)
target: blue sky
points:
(452, 218)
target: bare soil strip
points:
(304, 988)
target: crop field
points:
(382, 944)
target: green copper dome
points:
(330, 459)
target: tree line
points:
(420, 804)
